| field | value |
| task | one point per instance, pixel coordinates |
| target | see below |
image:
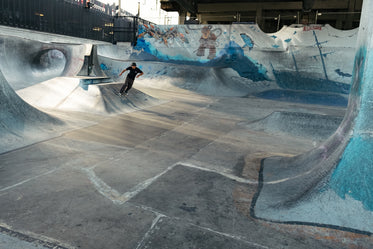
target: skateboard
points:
(122, 95)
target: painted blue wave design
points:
(231, 56)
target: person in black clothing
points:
(130, 78)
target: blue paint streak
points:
(340, 73)
(304, 97)
(322, 59)
(275, 46)
(354, 174)
(274, 37)
(295, 81)
(295, 62)
(248, 41)
(288, 40)
(103, 66)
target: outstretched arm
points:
(139, 75)
(122, 72)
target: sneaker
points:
(125, 94)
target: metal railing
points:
(126, 28)
(66, 17)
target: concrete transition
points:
(331, 184)
(60, 99)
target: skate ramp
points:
(67, 94)
(330, 185)
(20, 123)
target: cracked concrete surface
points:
(181, 174)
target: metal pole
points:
(317, 13)
(298, 17)
(278, 22)
(119, 7)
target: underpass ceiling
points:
(342, 14)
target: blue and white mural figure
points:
(207, 41)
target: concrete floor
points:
(180, 174)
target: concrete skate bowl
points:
(312, 64)
(20, 123)
(329, 186)
(41, 72)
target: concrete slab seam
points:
(239, 238)
(147, 234)
(102, 187)
(27, 180)
(190, 222)
(143, 185)
(113, 194)
(230, 176)
(120, 199)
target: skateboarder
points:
(130, 78)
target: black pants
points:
(127, 85)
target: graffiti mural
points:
(310, 58)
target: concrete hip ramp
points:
(20, 123)
(330, 185)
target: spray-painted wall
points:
(316, 58)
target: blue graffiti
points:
(323, 54)
(288, 40)
(296, 81)
(305, 97)
(340, 73)
(248, 41)
(231, 56)
(274, 37)
(103, 66)
(294, 32)
(348, 179)
(275, 46)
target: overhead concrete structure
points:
(269, 15)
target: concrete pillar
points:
(259, 16)
(182, 16)
(339, 23)
(350, 17)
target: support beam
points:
(224, 7)
(330, 4)
(178, 5)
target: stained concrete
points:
(180, 174)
